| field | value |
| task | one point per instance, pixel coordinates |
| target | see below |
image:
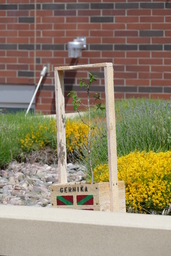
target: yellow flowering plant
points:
(37, 135)
(74, 134)
(147, 177)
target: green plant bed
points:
(141, 125)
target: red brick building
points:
(134, 35)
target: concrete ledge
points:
(36, 231)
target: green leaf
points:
(72, 94)
(78, 100)
(76, 105)
(97, 96)
(99, 106)
(92, 127)
(82, 83)
(69, 94)
(92, 78)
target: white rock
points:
(29, 184)
(19, 176)
(12, 180)
(48, 168)
(41, 174)
(25, 185)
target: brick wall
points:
(134, 35)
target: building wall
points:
(134, 35)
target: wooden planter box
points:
(84, 196)
(98, 196)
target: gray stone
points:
(36, 189)
(25, 185)
(7, 190)
(41, 174)
(12, 180)
(51, 179)
(18, 187)
(19, 176)
(78, 178)
(48, 168)
(3, 183)
(33, 194)
(4, 173)
(29, 184)
(43, 202)
(43, 189)
(15, 201)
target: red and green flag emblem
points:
(64, 200)
(85, 200)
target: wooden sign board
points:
(94, 197)
(111, 128)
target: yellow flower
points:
(147, 179)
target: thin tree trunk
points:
(89, 135)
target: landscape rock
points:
(29, 183)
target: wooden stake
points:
(111, 137)
(60, 117)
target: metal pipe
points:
(43, 73)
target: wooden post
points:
(60, 117)
(111, 137)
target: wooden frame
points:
(111, 127)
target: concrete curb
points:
(50, 231)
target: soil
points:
(46, 155)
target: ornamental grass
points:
(147, 177)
